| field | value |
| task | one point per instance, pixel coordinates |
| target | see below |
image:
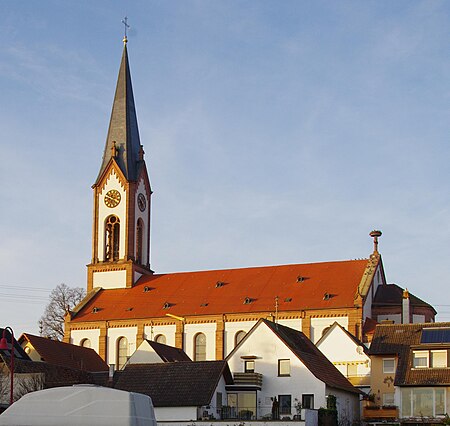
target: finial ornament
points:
(125, 23)
(375, 234)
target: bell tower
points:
(122, 197)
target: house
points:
(204, 313)
(59, 353)
(410, 378)
(348, 354)
(180, 391)
(275, 361)
(150, 352)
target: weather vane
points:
(125, 23)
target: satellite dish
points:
(360, 350)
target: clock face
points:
(112, 198)
(142, 203)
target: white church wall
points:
(144, 216)
(113, 335)
(76, 336)
(397, 318)
(231, 328)
(268, 349)
(110, 279)
(145, 354)
(209, 330)
(168, 331)
(318, 325)
(104, 212)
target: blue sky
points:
(275, 132)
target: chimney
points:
(405, 307)
(111, 375)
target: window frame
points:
(283, 362)
(284, 408)
(420, 355)
(308, 397)
(388, 370)
(248, 366)
(199, 355)
(435, 352)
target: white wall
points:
(151, 331)
(268, 349)
(110, 279)
(76, 336)
(397, 318)
(104, 211)
(209, 330)
(347, 405)
(113, 335)
(176, 414)
(145, 354)
(144, 216)
(341, 350)
(318, 325)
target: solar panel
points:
(435, 335)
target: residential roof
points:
(325, 285)
(392, 294)
(19, 352)
(168, 353)
(65, 354)
(53, 375)
(175, 383)
(123, 127)
(397, 340)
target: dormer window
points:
(420, 359)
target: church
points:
(206, 313)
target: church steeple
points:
(122, 197)
(123, 132)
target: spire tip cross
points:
(125, 23)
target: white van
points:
(81, 405)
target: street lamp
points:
(4, 346)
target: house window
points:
(439, 359)
(420, 402)
(284, 367)
(85, 343)
(308, 401)
(160, 338)
(420, 359)
(122, 352)
(238, 337)
(112, 233)
(139, 240)
(200, 347)
(219, 402)
(249, 366)
(352, 370)
(388, 399)
(285, 404)
(388, 365)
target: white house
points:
(348, 354)
(275, 361)
(149, 352)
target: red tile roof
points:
(65, 354)
(298, 287)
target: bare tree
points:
(62, 298)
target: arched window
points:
(121, 352)
(139, 240)
(112, 235)
(200, 347)
(239, 336)
(160, 338)
(85, 343)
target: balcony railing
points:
(248, 379)
(380, 412)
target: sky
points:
(275, 133)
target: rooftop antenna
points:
(276, 309)
(125, 23)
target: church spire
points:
(123, 133)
